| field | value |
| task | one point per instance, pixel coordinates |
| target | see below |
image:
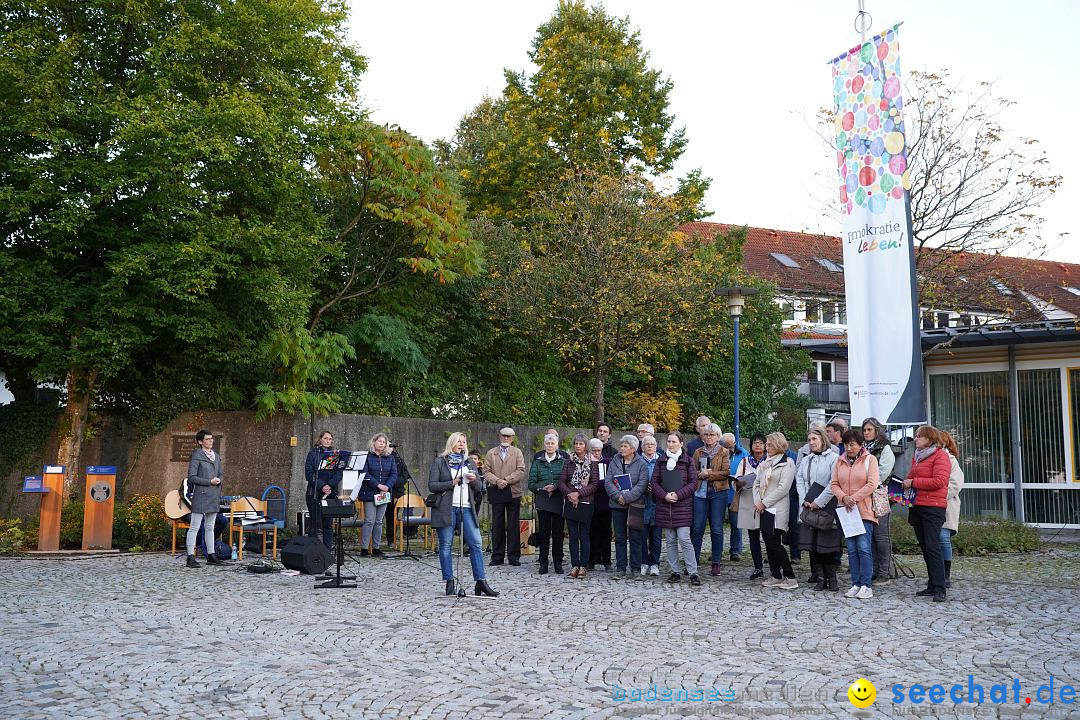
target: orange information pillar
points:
(52, 477)
(98, 507)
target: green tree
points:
(603, 279)
(592, 104)
(393, 211)
(157, 181)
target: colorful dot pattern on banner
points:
(870, 155)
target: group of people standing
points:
(634, 495)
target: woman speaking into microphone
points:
(452, 480)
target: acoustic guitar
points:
(175, 509)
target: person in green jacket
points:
(544, 483)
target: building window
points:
(823, 371)
(943, 319)
(787, 309)
(785, 260)
(813, 311)
(1074, 418)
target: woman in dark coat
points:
(673, 482)
(578, 482)
(380, 477)
(454, 477)
(204, 473)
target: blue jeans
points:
(471, 536)
(946, 544)
(619, 519)
(652, 536)
(711, 509)
(861, 556)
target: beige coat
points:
(512, 469)
(748, 518)
(956, 482)
(775, 477)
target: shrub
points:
(12, 537)
(144, 516)
(974, 537)
(71, 525)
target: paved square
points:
(140, 636)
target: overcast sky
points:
(748, 79)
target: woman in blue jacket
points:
(380, 477)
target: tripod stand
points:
(408, 523)
(461, 594)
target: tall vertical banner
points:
(885, 374)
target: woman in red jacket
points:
(930, 477)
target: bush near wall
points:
(981, 537)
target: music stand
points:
(337, 511)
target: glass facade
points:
(974, 407)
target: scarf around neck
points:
(582, 471)
(673, 458)
(455, 459)
(921, 455)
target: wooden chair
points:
(410, 511)
(238, 529)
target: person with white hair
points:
(711, 495)
(547, 500)
(627, 505)
(699, 426)
(504, 475)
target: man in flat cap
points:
(504, 475)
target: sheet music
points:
(356, 488)
(358, 460)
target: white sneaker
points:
(644, 570)
(772, 582)
(654, 570)
(791, 584)
(865, 593)
(852, 592)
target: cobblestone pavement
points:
(140, 636)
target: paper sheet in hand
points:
(748, 479)
(850, 521)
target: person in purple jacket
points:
(673, 482)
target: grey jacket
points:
(441, 482)
(200, 471)
(638, 470)
(816, 469)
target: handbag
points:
(635, 518)
(817, 518)
(582, 513)
(433, 499)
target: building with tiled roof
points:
(1001, 342)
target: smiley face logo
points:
(862, 693)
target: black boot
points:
(558, 567)
(814, 577)
(212, 559)
(482, 588)
(192, 562)
(543, 568)
(948, 573)
(830, 577)
(450, 587)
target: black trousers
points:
(600, 537)
(927, 522)
(506, 530)
(327, 524)
(779, 562)
(550, 529)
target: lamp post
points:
(736, 301)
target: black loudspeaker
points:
(306, 554)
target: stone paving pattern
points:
(140, 636)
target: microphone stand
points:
(461, 594)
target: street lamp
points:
(736, 301)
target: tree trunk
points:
(80, 391)
(599, 368)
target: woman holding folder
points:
(673, 482)
(773, 483)
(745, 476)
(626, 483)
